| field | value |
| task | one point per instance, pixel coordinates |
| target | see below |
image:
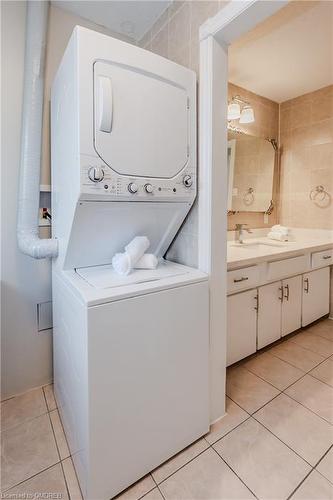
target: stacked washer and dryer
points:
(130, 352)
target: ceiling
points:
(130, 18)
(289, 54)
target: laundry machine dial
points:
(187, 180)
(149, 188)
(132, 187)
(96, 174)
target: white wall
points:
(26, 354)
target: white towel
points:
(123, 263)
(280, 229)
(147, 261)
(277, 236)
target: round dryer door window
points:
(140, 122)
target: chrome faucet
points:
(240, 228)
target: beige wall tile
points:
(179, 33)
(159, 44)
(306, 141)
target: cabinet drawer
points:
(248, 277)
(322, 259)
(287, 267)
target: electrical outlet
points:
(44, 217)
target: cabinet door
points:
(315, 295)
(292, 305)
(241, 327)
(269, 313)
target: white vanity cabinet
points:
(279, 309)
(269, 313)
(282, 296)
(315, 295)
(242, 325)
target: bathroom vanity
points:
(275, 288)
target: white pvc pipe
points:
(31, 135)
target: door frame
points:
(216, 34)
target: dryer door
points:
(140, 122)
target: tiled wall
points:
(175, 35)
(306, 139)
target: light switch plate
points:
(44, 316)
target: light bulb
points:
(247, 115)
(233, 111)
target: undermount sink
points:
(257, 244)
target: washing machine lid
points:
(141, 121)
(106, 277)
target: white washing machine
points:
(130, 352)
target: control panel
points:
(99, 178)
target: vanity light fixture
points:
(235, 112)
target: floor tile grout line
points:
(326, 452)
(277, 388)
(309, 409)
(288, 446)
(157, 485)
(54, 436)
(227, 433)
(269, 383)
(253, 416)
(75, 473)
(247, 411)
(23, 422)
(65, 479)
(319, 380)
(300, 484)
(49, 409)
(232, 470)
(322, 475)
(182, 466)
(28, 478)
(311, 350)
(289, 363)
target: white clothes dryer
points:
(130, 353)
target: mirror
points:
(251, 162)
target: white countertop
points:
(243, 255)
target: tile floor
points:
(276, 441)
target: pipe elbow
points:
(30, 244)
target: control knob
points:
(132, 187)
(149, 188)
(187, 181)
(96, 174)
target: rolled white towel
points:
(147, 261)
(123, 263)
(274, 235)
(280, 229)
